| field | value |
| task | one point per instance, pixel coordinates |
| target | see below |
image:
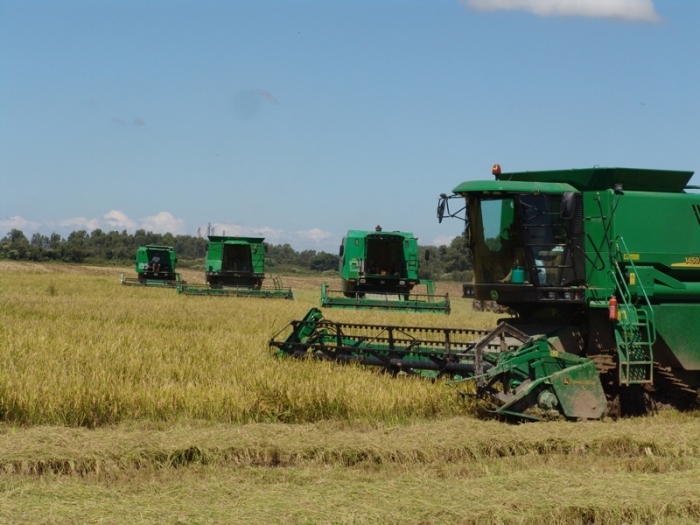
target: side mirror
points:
(568, 205)
(427, 255)
(442, 201)
(341, 251)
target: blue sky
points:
(300, 120)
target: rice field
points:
(78, 349)
(134, 405)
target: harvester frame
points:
(609, 307)
(379, 270)
(155, 266)
(235, 267)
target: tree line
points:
(119, 248)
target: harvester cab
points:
(601, 267)
(155, 266)
(526, 241)
(379, 269)
(235, 266)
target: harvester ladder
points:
(636, 328)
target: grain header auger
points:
(601, 266)
(235, 267)
(379, 270)
(155, 266)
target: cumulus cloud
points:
(314, 234)
(314, 238)
(628, 10)
(78, 223)
(18, 223)
(163, 222)
(239, 230)
(117, 220)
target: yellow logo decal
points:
(690, 262)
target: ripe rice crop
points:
(194, 421)
(78, 349)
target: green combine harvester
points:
(601, 266)
(155, 266)
(235, 267)
(379, 269)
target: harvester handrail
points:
(626, 295)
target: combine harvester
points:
(235, 267)
(155, 266)
(379, 270)
(602, 267)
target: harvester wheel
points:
(634, 401)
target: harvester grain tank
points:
(235, 266)
(379, 269)
(155, 266)
(602, 267)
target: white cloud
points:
(314, 234)
(443, 240)
(629, 10)
(80, 223)
(18, 223)
(163, 222)
(312, 239)
(237, 230)
(117, 220)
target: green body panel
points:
(492, 186)
(579, 391)
(145, 270)
(678, 326)
(661, 231)
(235, 261)
(395, 256)
(379, 269)
(594, 179)
(145, 254)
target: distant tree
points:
(457, 258)
(324, 261)
(15, 236)
(40, 241)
